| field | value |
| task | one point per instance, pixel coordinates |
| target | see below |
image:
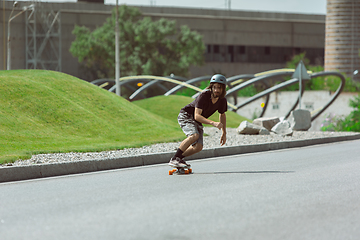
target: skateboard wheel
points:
(190, 170)
(187, 171)
(171, 172)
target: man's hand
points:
(218, 125)
(223, 139)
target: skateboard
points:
(180, 170)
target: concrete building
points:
(236, 42)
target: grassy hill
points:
(45, 111)
(169, 106)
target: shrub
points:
(351, 123)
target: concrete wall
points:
(281, 102)
(223, 28)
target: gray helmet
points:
(218, 78)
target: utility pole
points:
(4, 34)
(228, 4)
(117, 57)
(9, 39)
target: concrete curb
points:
(17, 173)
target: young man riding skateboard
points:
(193, 115)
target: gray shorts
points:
(190, 126)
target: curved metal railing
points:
(235, 84)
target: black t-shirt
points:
(203, 101)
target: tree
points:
(146, 46)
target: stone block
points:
(283, 128)
(300, 120)
(267, 123)
(248, 128)
(264, 131)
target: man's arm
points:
(222, 119)
(198, 117)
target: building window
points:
(267, 50)
(231, 53)
(241, 49)
(259, 54)
(216, 49)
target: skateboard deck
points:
(180, 170)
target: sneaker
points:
(182, 161)
(178, 162)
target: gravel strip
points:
(211, 141)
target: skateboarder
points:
(193, 115)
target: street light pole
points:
(4, 34)
(117, 57)
(9, 40)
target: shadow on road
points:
(245, 172)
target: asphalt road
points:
(303, 193)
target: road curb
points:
(18, 173)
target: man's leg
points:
(188, 147)
(184, 146)
(188, 141)
(197, 147)
(193, 143)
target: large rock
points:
(300, 120)
(267, 123)
(249, 128)
(264, 131)
(283, 128)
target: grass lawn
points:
(46, 111)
